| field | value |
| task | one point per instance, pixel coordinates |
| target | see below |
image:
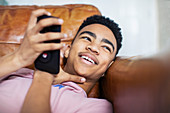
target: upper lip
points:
(91, 56)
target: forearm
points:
(9, 64)
(38, 97)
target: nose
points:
(94, 48)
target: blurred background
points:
(145, 23)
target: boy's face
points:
(92, 51)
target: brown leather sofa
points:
(132, 85)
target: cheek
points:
(105, 62)
(78, 46)
(105, 58)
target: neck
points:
(87, 86)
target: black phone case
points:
(49, 61)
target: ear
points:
(110, 64)
(67, 51)
(107, 68)
(103, 75)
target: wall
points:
(137, 18)
(164, 23)
(3, 2)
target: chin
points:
(87, 75)
(82, 73)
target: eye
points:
(107, 48)
(86, 38)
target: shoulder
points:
(13, 91)
(23, 72)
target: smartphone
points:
(49, 61)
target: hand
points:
(58, 78)
(62, 76)
(32, 45)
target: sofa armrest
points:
(138, 85)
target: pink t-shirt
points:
(67, 97)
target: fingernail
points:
(64, 44)
(61, 54)
(60, 21)
(83, 80)
(48, 13)
(65, 35)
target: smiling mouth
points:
(90, 60)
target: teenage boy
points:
(94, 48)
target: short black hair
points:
(99, 19)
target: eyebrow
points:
(108, 42)
(88, 32)
(103, 40)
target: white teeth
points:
(89, 59)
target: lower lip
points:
(86, 62)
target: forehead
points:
(101, 31)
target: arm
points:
(38, 96)
(32, 45)
(9, 64)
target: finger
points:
(68, 79)
(48, 46)
(62, 51)
(49, 36)
(33, 18)
(76, 79)
(46, 22)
